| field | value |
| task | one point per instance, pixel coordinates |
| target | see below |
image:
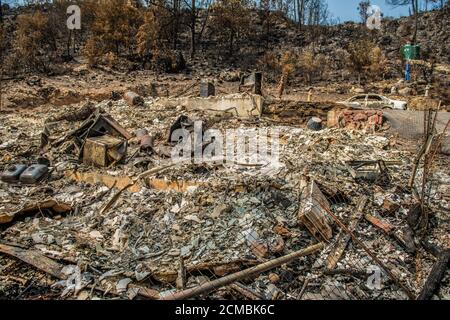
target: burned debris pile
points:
(92, 205)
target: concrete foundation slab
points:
(239, 105)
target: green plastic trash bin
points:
(411, 52)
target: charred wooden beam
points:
(437, 273)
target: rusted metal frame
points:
(36, 259)
(367, 250)
(343, 240)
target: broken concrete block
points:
(252, 83)
(33, 174)
(207, 89)
(13, 173)
(312, 213)
(103, 151)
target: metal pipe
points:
(222, 282)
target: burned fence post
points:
(252, 83)
(207, 89)
(258, 83)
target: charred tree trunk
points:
(415, 5)
(267, 29)
(204, 23)
(282, 85)
(230, 45)
(302, 13)
(1, 53)
(69, 40)
(175, 20)
(193, 22)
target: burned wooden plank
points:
(349, 272)
(36, 259)
(405, 239)
(55, 269)
(380, 224)
(53, 205)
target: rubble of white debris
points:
(139, 226)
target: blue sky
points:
(347, 10)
